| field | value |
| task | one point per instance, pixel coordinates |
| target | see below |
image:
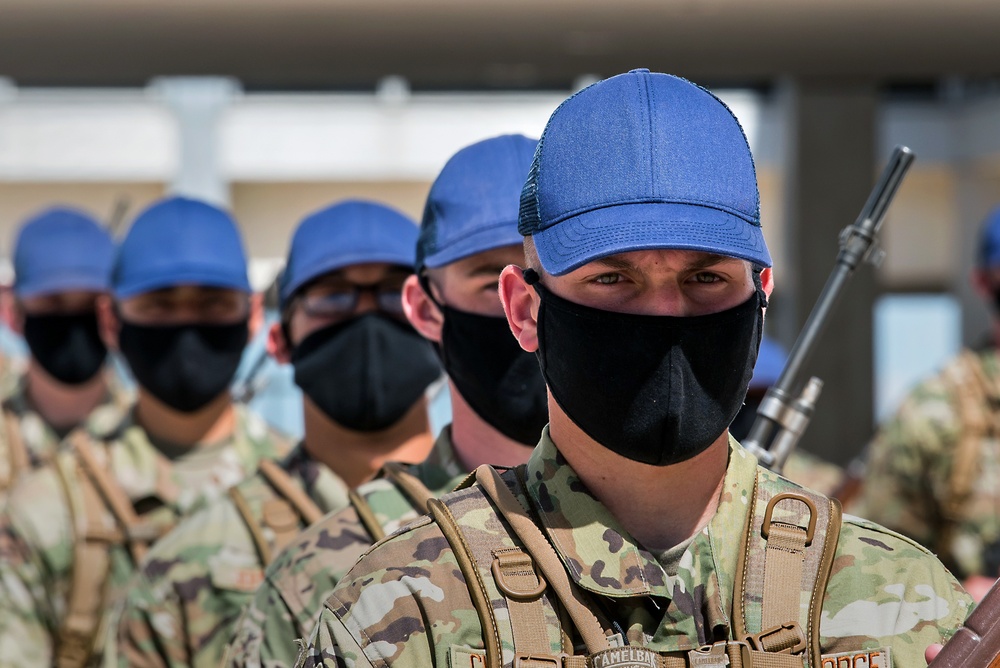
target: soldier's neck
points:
(660, 506)
(212, 423)
(63, 406)
(356, 456)
(476, 442)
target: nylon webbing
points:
(88, 585)
(259, 541)
(286, 487)
(410, 484)
(20, 461)
(366, 515)
(514, 573)
(545, 557)
(783, 574)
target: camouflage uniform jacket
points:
(39, 442)
(188, 594)
(40, 526)
(405, 604)
(284, 607)
(910, 481)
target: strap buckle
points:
(716, 655)
(779, 639)
(536, 660)
(515, 562)
(778, 498)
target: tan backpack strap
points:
(366, 515)
(113, 497)
(410, 484)
(477, 590)
(972, 392)
(284, 485)
(569, 594)
(94, 529)
(20, 460)
(790, 540)
(259, 541)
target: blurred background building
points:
(276, 108)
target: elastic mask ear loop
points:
(425, 284)
(531, 277)
(759, 285)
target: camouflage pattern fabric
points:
(188, 594)
(910, 463)
(284, 608)
(405, 602)
(41, 442)
(37, 531)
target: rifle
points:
(786, 409)
(977, 643)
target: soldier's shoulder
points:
(869, 552)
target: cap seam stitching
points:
(703, 203)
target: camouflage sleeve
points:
(189, 591)
(137, 639)
(36, 561)
(886, 591)
(332, 646)
(295, 586)
(906, 462)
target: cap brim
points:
(339, 261)
(482, 240)
(62, 282)
(576, 241)
(205, 278)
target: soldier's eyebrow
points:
(709, 260)
(616, 263)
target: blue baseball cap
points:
(62, 249)
(351, 232)
(179, 241)
(771, 360)
(989, 240)
(473, 204)
(642, 161)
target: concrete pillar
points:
(198, 104)
(829, 174)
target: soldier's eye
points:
(608, 279)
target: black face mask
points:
(68, 347)
(367, 372)
(500, 381)
(184, 366)
(654, 389)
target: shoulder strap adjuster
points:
(782, 638)
(765, 529)
(523, 660)
(515, 575)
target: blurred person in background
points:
(469, 234)
(932, 469)
(62, 263)
(802, 467)
(363, 371)
(73, 531)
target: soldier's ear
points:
(107, 321)
(979, 279)
(278, 346)
(421, 311)
(520, 305)
(767, 281)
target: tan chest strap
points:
(104, 518)
(972, 391)
(284, 515)
(19, 459)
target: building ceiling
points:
(493, 43)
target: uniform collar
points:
(441, 468)
(326, 489)
(603, 558)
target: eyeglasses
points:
(338, 301)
